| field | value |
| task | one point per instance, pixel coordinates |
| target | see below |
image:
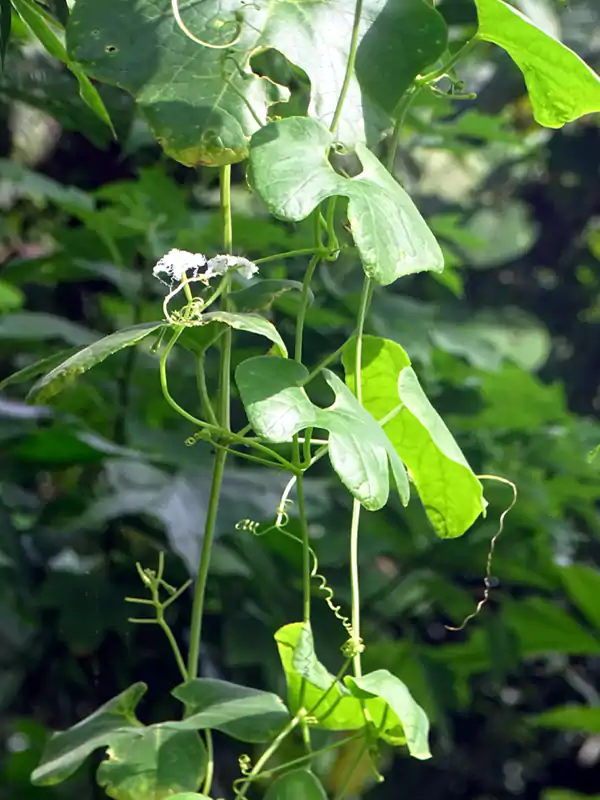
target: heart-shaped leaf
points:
(247, 714)
(67, 371)
(290, 170)
(449, 490)
(151, 763)
(67, 750)
(203, 103)
(297, 785)
(412, 725)
(278, 407)
(562, 87)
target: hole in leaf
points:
(111, 48)
(274, 65)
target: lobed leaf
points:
(561, 86)
(448, 488)
(290, 170)
(278, 407)
(204, 102)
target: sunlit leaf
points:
(278, 407)
(297, 785)
(203, 103)
(250, 715)
(67, 750)
(290, 170)
(450, 492)
(152, 763)
(82, 361)
(562, 87)
(412, 725)
(251, 323)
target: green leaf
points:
(261, 295)
(290, 170)
(562, 87)
(152, 763)
(297, 785)
(251, 323)
(582, 719)
(278, 407)
(40, 25)
(65, 751)
(5, 28)
(412, 725)
(67, 372)
(189, 796)
(203, 103)
(249, 715)
(542, 627)
(37, 368)
(11, 297)
(583, 587)
(450, 492)
(339, 710)
(34, 326)
(388, 702)
(27, 183)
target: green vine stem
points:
(440, 72)
(349, 66)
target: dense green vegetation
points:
(108, 492)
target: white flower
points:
(221, 264)
(176, 264)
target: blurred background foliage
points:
(505, 342)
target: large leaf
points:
(278, 407)
(36, 368)
(204, 103)
(450, 492)
(250, 715)
(583, 719)
(152, 763)
(297, 785)
(66, 372)
(65, 751)
(412, 725)
(251, 323)
(562, 87)
(291, 172)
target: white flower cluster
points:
(179, 264)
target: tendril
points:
(487, 581)
(354, 645)
(238, 22)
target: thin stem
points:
(324, 363)
(350, 774)
(174, 646)
(306, 565)
(360, 327)
(349, 66)
(271, 749)
(354, 582)
(304, 251)
(205, 402)
(304, 306)
(436, 74)
(405, 103)
(303, 759)
(201, 580)
(210, 762)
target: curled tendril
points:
(487, 581)
(245, 763)
(192, 309)
(238, 21)
(354, 645)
